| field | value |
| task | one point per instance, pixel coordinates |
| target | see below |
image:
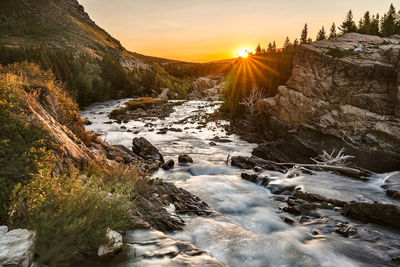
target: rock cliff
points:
(337, 97)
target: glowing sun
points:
(244, 53)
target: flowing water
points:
(250, 230)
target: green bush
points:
(334, 52)
(68, 214)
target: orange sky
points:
(206, 30)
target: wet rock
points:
(288, 220)
(213, 144)
(278, 189)
(153, 248)
(185, 158)
(386, 214)
(17, 248)
(156, 196)
(255, 178)
(303, 219)
(392, 185)
(218, 139)
(114, 246)
(119, 152)
(310, 197)
(345, 229)
(298, 206)
(249, 163)
(315, 233)
(168, 165)
(144, 149)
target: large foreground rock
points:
(153, 248)
(336, 98)
(115, 244)
(17, 248)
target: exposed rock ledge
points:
(340, 98)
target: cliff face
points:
(338, 97)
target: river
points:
(250, 230)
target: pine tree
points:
(374, 29)
(309, 40)
(274, 46)
(287, 43)
(270, 48)
(258, 49)
(333, 33)
(321, 34)
(389, 22)
(304, 35)
(348, 25)
(296, 42)
(365, 24)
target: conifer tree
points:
(309, 40)
(258, 49)
(321, 34)
(296, 42)
(389, 22)
(274, 46)
(304, 35)
(287, 43)
(374, 28)
(365, 24)
(348, 25)
(333, 33)
(270, 48)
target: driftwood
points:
(351, 172)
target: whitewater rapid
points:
(250, 230)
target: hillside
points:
(59, 35)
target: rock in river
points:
(168, 165)
(185, 158)
(146, 150)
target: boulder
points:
(392, 185)
(168, 165)
(379, 213)
(184, 158)
(154, 248)
(114, 246)
(17, 248)
(3, 230)
(144, 149)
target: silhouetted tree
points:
(364, 26)
(287, 43)
(348, 25)
(274, 46)
(333, 33)
(389, 22)
(296, 42)
(374, 28)
(270, 48)
(304, 35)
(321, 34)
(258, 49)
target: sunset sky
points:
(206, 30)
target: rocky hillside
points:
(338, 97)
(56, 23)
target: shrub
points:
(68, 214)
(334, 52)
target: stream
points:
(250, 230)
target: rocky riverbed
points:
(267, 213)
